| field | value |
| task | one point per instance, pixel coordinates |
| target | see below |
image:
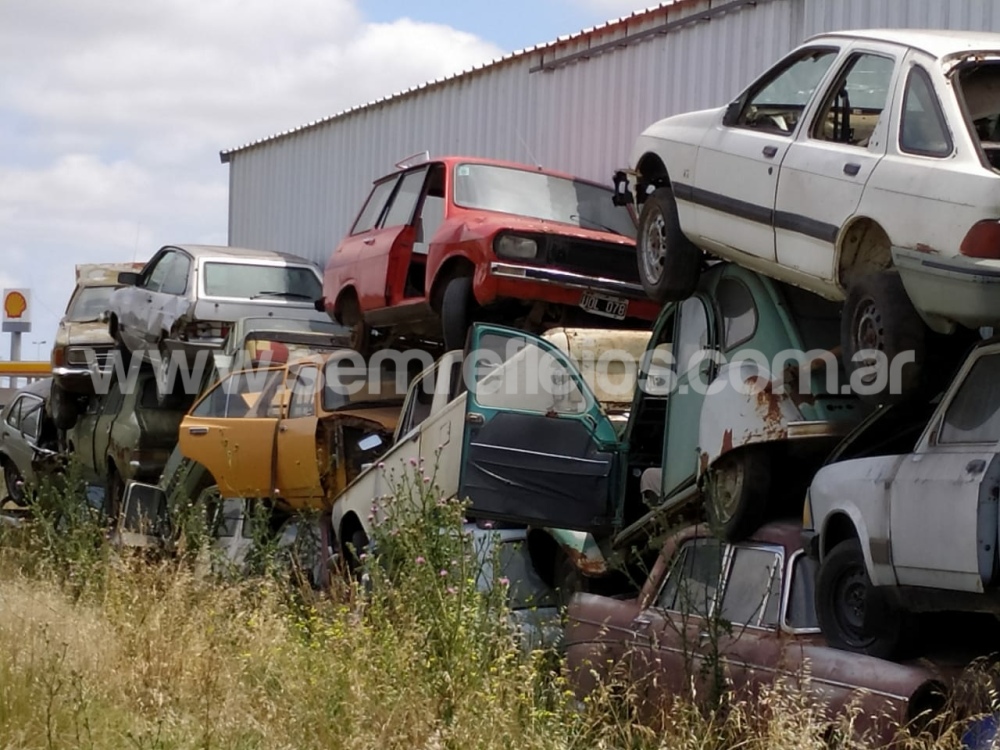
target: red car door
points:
(385, 248)
(347, 260)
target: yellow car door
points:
(298, 474)
(231, 431)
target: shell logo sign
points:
(16, 310)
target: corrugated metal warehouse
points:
(574, 105)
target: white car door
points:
(943, 510)
(833, 155)
(736, 169)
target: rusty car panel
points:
(657, 643)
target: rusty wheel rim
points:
(869, 334)
(654, 246)
(727, 488)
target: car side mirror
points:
(128, 278)
(733, 112)
(320, 304)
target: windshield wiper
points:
(594, 223)
(289, 295)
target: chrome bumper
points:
(567, 279)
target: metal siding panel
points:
(300, 193)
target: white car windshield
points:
(261, 282)
(540, 196)
(88, 303)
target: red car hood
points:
(488, 223)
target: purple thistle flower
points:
(420, 561)
(443, 573)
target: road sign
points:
(16, 310)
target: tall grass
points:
(106, 650)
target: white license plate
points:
(601, 304)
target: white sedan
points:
(864, 166)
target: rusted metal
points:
(601, 632)
(585, 563)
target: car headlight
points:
(511, 246)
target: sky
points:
(113, 112)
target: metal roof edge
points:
(226, 154)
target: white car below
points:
(911, 522)
(863, 166)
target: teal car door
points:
(537, 448)
(694, 339)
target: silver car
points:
(188, 296)
(27, 439)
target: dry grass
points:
(96, 652)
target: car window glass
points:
(801, 611)
(533, 379)
(14, 415)
(739, 314)
(973, 416)
(264, 281)
(432, 208)
(88, 303)
(176, 280)
(372, 212)
(855, 101)
(154, 280)
(238, 394)
(777, 103)
(31, 412)
(753, 591)
(694, 577)
(404, 202)
(922, 128)
(303, 403)
(692, 334)
(421, 399)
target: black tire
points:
(63, 408)
(350, 316)
(356, 546)
(879, 315)
(455, 307)
(669, 264)
(737, 492)
(843, 591)
(14, 481)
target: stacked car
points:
(757, 322)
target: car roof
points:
(37, 388)
(451, 161)
(935, 42)
(784, 533)
(237, 253)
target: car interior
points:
(980, 88)
(428, 219)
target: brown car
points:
(661, 641)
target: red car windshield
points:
(540, 196)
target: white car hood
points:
(688, 128)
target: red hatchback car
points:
(446, 241)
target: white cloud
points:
(112, 113)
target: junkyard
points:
(683, 434)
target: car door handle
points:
(770, 151)
(977, 466)
(851, 168)
(474, 418)
(642, 621)
(197, 430)
(370, 241)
